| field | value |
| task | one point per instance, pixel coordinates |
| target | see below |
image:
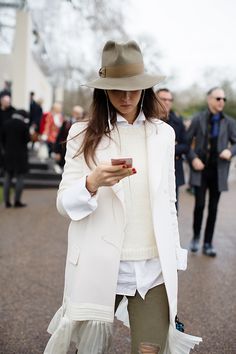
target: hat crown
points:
(121, 54)
(123, 69)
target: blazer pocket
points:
(73, 254)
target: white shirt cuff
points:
(181, 255)
(77, 201)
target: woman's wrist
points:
(91, 188)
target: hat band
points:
(121, 70)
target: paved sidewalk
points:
(32, 258)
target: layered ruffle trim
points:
(95, 337)
(179, 342)
(90, 337)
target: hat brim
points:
(132, 83)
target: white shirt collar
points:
(139, 120)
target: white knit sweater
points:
(139, 242)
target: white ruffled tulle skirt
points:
(90, 337)
(95, 337)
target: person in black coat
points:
(6, 111)
(15, 136)
(35, 113)
(6, 91)
(181, 146)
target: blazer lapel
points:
(203, 122)
(108, 149)
(222, 132)
(155, 152)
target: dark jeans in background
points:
(19, 185)
(209, 182)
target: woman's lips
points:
(126, 105)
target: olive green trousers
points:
(149, 318)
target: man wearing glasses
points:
(181, 146)
(212, 140)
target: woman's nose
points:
(126, 95)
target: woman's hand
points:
(107, 175)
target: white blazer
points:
(96, 234)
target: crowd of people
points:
(20, 130)
(208, 145)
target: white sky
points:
(192, 35)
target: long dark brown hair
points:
(98, 125)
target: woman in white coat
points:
(118, 189)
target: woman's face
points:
(125, 102)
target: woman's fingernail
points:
(134, 170)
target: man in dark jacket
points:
(212, 137)
(35, 113)
(15, 136)
(181, 146)
(6, 111)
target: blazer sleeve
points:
(73, 199)
(181, 254)
(191, 134)
(181, 147)
(232, 136)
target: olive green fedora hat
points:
(123, 69)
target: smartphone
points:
(128, 161)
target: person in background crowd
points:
(123, 239)
(6, 111)
(60, 144)
(212, 140)
(181, 146)
(6, 91)
(15, 137)
(36, 113)
(53, 122)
